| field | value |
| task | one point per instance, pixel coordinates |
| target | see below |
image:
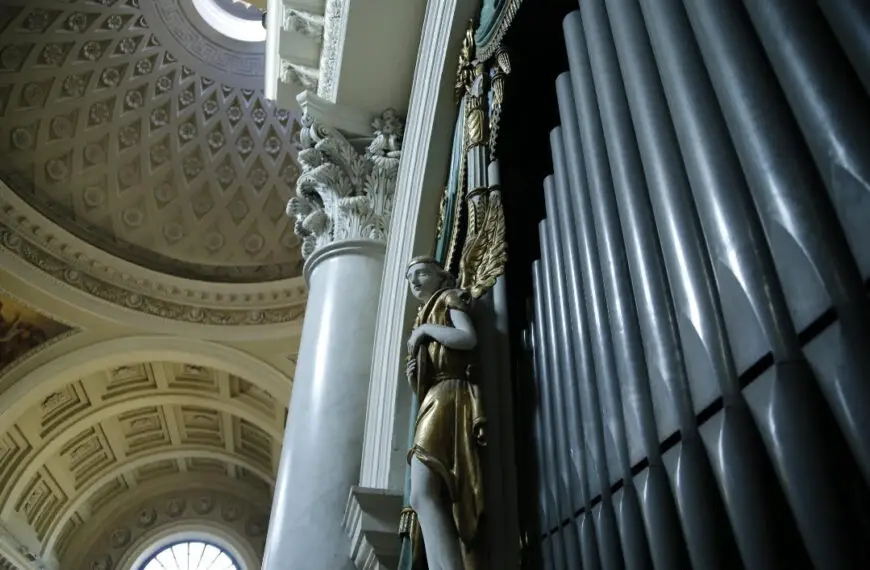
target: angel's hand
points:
(411, 368)
(415, 339)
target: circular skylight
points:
(235, 19)
(191, 555)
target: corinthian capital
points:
(343, 193)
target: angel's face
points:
(424, 279)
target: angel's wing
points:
(485, 254)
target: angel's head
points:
(426, 276)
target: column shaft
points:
(320, 459)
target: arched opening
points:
(190, 555)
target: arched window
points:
(190, 555)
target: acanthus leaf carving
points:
(343, 194)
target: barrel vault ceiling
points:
(89, 446)
(143, 181)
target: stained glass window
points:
(192, 555)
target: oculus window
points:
(235, 19)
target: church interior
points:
(434, 284)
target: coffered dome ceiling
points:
(116, 439)
(136, 126)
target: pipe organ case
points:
(701, 326)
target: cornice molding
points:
(73, 263)
(347, 120)
(298, 35)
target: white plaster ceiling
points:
(120, 437)
(145, 132)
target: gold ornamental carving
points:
(443, 364)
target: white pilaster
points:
(428, 136)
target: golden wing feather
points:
(485, 255)
(472, 256)
(503, 60)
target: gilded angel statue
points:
(446, 475)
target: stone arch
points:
(189, 530)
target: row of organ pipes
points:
(701, 328)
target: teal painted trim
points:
(443, 240)
(490, 16)
(496, 17)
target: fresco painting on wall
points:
(22, 329)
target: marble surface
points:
(320, 459)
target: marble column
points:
(342, 207)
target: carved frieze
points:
(343, 194)
(132, 296)
(244, 518)
(335, 24)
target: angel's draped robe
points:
(448, 432)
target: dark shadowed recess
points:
(537, 51)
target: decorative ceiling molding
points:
(39, 384)
(85, 446)
(183, 482)
(210, 461)
(74, 263)
(228, 413)
(136, 129)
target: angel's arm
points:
(461, 336)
